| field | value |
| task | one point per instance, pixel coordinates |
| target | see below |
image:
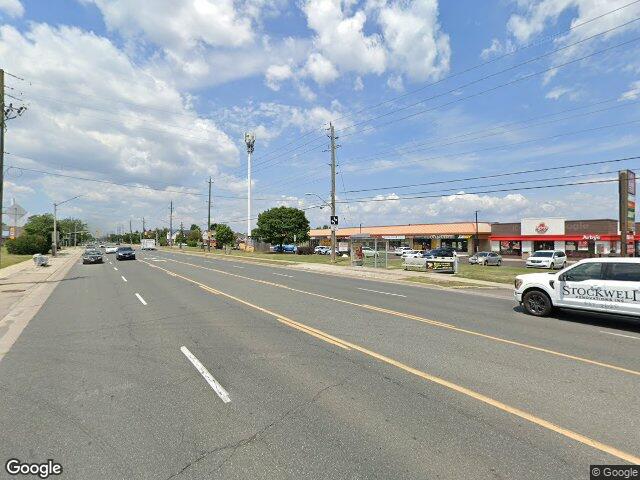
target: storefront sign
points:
(591, 237)
(393, 237)
(542, 228)
(441, 237)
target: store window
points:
(543, 246)
(460, 245)
(508, 247)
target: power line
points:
(109, 182)
(493, 60)
(391, 199)
(482, 92)
(497, 175)
(499, 129)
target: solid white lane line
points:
(221, 392)
(282, 275)
(110, 263)
(141, 299)
(384, 293)
(123, 278)
(236, 266)
(115, 269)
(620, 335)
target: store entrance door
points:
(543, 246)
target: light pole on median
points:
(54, 244)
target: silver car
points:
(486, 258)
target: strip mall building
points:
(424, 236)
(578, 238)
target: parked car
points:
(440, 253)
(322, 250)
(369, 252)
(125, 253)
(486, 258)
(284, 249)
(608, 285)
(110, 249)
(92, 255)
(412, 254)
(102, 245)
(547, 259)
(400, 250)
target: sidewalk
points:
(23, 290)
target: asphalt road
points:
(311, 376)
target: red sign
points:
(542, 228)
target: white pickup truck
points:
(148, 244)
(608, 285)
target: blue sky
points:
(160, 97)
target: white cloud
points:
(341, 38)
(276, 74)
(100, 115)
(320, 69)
(496, 48)
(633, 92)
(558, 92)
(416, 44)
(13, 8)
(358, 85)
(395, 82)
(306, 93)
(178, 25)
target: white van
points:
(610, 285)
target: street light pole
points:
(249, 140)
(209, 220)
(476, 240)
(54, 243)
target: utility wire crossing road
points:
(418, 381)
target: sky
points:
(424, 95)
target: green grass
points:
(9, 259)
(502, 274)
(443, 283)
(271, 257)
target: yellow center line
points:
(628, 457)
(425, 321)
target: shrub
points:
(28, 244)
(304, 250)
(192, 243)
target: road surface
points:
(179, 366)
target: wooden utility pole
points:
(2, 125)
(171, 224)
(333, 191)
(209, 219)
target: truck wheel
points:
(537, 303)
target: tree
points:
(194, 227)
(280, 225)
(224, 235)
(195, 236)
(27, 244)
(40, 225)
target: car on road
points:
(400, 250)
(486, 258)
(547, 259)
(412, 254)
(102, 245)
(125, 253)
(607, 285)
(110, 249)
(92, 255)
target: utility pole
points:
(2, 125)
(54, 244)
(209, 220)
(171, 224)
(181, 235)
(333, 190)
(250, 141)
(476, 240)
(130, 234)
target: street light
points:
(326, 204)
(54, 244)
